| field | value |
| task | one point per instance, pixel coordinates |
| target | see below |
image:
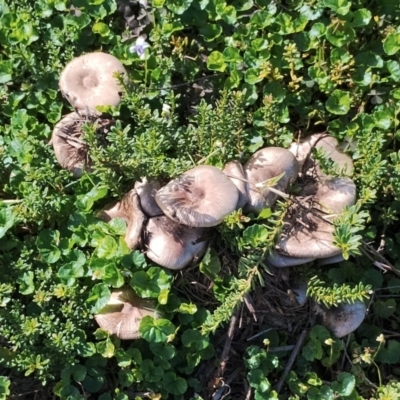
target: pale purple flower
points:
(140, 46)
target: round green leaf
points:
(179, 6)
(341, 7)
(101, 28)
(391, 44)
(340, 35)
(156, 330)
(338, 103)
(215, 62)
(174, 384)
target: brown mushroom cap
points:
(123, 313)
(234, 170)
(130, 211)
(313, 238)
(71, 152)
(89, 81)
(173, 245)
(263, 165)
(344, 319)
(147, 191)
(329, 145)
(201, 197)
(279, 260)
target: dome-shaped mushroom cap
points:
(234, 170)
(70, 151)
(201, 197)
(329, 145)
(265, 164)
(344, 319)
(89, 81)
(123, 313)
(173, 245)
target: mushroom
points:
(71, 152)
(329, 145)
(309, 230)
(146, 191)
(263, 165)
(201, 197)
(122, 314)
(234, 170)
(173, 245)
(343, 319)
(90, 80)
(278, 260)
(129, 210)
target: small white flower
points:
(140, 46)
(166, 110)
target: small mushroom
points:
(263, 165)
(147, 191)
(130, 211)
(123, 313)
(343, 319)
(173, 245)
(234, 170)
(70, 150)
(201, 197)
(90, 80)
(303, 153)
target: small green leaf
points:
(391, 44)
(26, 285)
(210, 32)
(342, 7)
(361, 17)
(210, 264)
(215, 62)
(339, 102)
(99, 295)
(174, 384)
(179, 6)
(106, 348)
(5, 71)
(258, 380)
(340, 35)
(7, 220)
(345, 384)
(47, 244)
(101, 28)
(156, 330)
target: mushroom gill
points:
(122, 314)
(201, 197)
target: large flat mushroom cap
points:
(173, 245)
(201, 197)
(265, 164)
(123, 313)
(89, 81)
(278, 260)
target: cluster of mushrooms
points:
(172, 223)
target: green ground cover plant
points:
(216, 81)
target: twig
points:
(259, 334)
(291, 360)
(250, 306)
(227, 346)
